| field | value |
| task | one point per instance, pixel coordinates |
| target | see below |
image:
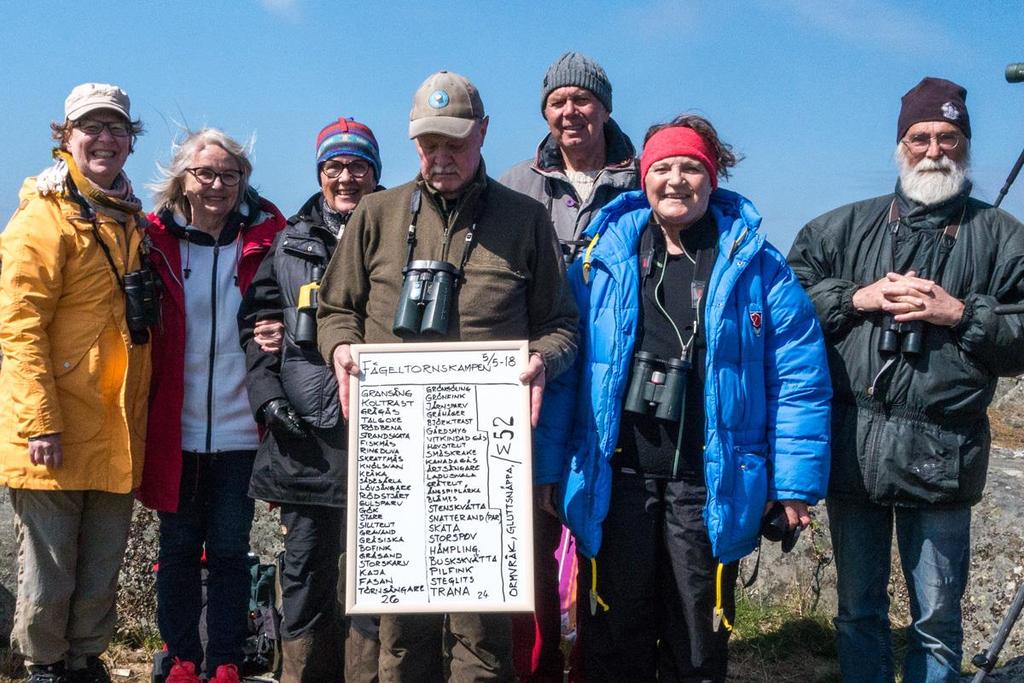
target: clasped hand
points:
(909, 297)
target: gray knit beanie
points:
(572, 68)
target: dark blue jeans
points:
(214, 512)
(934, 545)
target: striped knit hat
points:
(347, 136)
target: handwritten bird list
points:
(440, 485)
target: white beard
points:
(932, 181)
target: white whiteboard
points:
(440, 479)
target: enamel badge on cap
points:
(438, 99)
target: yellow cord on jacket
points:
(586, 264)
(719, 615)
(595, 599)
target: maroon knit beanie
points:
(934, 99)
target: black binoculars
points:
(304, 333)
(141, 308)
(424, 307)
(907, 337)
(658, 385)
(775, 527)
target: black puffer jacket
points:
(914, 431)
(312, 470)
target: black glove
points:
(281, 418)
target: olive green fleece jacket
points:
(514, 285)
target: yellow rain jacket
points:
(69, 364)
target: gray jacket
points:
(544, 179)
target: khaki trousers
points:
(70, 548)
(459, 648)
(362, 654)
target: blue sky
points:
(807, 91)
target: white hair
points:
(169, 187)
(932, 181)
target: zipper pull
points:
(736, 245)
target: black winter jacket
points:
(313, 470)
(912, 430)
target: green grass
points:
(776, 643)
(773, 629)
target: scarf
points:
(119, 202)
(333, 221)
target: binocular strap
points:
(106, 252)
(414, 210)
(941, 252)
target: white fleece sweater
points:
(216, 415)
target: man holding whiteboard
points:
(484, 261)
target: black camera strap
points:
(940, 254)
(90, 216)
(467, 247)
(110, 259)
(415, 203)
(414, 213)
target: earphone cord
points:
(686, 352)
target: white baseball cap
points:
(89, 97)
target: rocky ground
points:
(786, 634)
(805, 581)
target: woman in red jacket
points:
(209, 233)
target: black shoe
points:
(47, 673)
(94, 672)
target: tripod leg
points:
(986, 660)
(1009, 179)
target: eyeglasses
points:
(92, 128)
(357, 168)
(922, 141)
(206, 176)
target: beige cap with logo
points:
(89, 97)
(446, 104)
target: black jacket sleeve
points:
(996, 340)
(816, 258)
(262, 301)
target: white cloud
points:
(656, 19)
(866, 23)
(289, 9)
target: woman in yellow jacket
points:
(74, 384)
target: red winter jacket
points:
(161, 474)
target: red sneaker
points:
(182, 672)
(226, 673)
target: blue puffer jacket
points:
(767, 393)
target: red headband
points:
(676, 141)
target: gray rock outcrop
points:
(805, 579)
